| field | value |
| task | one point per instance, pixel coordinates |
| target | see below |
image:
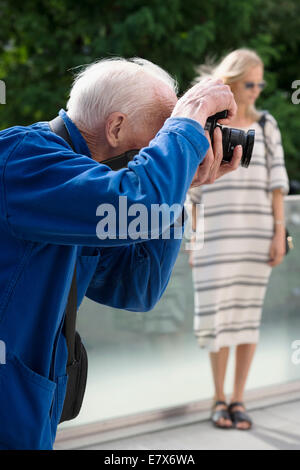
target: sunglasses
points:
(251, 85)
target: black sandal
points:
(217, 414)
(239, 416)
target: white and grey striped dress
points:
(230, 272)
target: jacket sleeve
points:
(51, 194)
(134, 277)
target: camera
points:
(231, 138)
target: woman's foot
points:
(240, 419)
(220, 415)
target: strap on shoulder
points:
(262, 119)
(57, 126)
(70, 319)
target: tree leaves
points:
(43, 41)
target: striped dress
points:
(230, 273)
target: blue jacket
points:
(49, 195)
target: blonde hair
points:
(231, 69)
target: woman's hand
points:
(277, 249)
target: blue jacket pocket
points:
(59, 398)
(25, 403)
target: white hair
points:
(130, 86)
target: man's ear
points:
(114, 128)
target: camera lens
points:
(247, 152)
(233, 137)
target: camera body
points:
(231, 138)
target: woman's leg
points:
(219, 364)
(243, 358)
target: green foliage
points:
(43, 41)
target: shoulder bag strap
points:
(57, 126)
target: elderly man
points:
(51, 188)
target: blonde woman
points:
(244, 237)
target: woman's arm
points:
(277, 249)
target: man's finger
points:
(202, 172)
(209, 157)
(233, 164)
(236, 157)
(218, 152)
(197, 180)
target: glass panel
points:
(146, 361)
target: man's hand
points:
(211, 167)
(203, 100)
(206, 99)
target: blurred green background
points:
(42, 41)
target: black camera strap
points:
(70, 320)
(77, 362)
(120, 161)
(57, 126)
(262, 122)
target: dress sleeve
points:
(278, 177)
